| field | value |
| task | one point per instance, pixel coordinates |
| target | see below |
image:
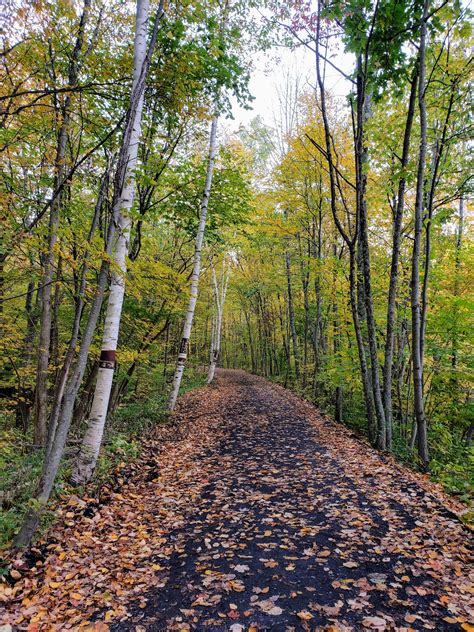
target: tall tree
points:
(44, 341)
(193, 294)
(219, 294)
(58, 441)
(416, 323)
(396, 238)
(89, 452)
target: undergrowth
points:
(20, 462)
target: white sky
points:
(269, 73)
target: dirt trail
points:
(265, 516)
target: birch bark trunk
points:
(188, 322)
(220, 292)
(58, 442)
(89, 452)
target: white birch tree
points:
(219, 292)
(57, 440)
(193, 295)
(91, 443)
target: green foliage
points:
(20, 466)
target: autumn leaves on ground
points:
(252, 512)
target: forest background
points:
(336, 241)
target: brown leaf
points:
(374, 623)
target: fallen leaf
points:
(374, 622)
(304, 615)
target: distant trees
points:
(369, 174)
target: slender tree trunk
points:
(317, 334)
(291, 311)
(220, 291)
(457, 268)
(61, 379)
(338, 404)
(44, 342)
(188, 322)
(91, 443)
(392, 291)
(304, 269)
(253, 358)
(51, 464)
(419, 411)
(361, 185)
(24, 396)
(438, 150)
(364, 369)
(54, 345)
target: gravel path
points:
(289, 534)
(253, 512)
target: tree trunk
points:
(51, 464)
(188, 322)
(220, 291)
(23, 407)
(61, 379)
(44, 341)
(361, 185)
(291, 311)
(419, 412)
(91, 443)
(364, 370)
(338, 404)
(392, 291)
(251, 342)
(438, 150)
(457, 268)
(304, 269)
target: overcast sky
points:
(269, 74)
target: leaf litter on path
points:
(261, 514)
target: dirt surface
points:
(263, 516)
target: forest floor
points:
(254, 513)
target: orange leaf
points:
(304, 615)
